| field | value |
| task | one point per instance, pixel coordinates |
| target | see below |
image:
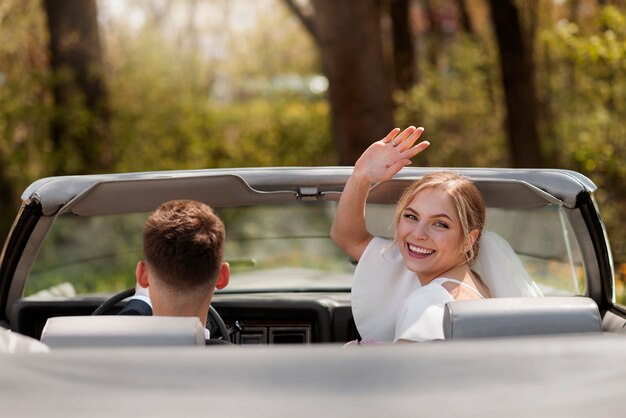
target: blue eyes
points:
(437, 224)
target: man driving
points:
(183, 264)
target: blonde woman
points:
(400, 287)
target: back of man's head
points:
(183, 244)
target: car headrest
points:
(122, 331)
(507, 317)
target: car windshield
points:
(271, 247)
(282, 247)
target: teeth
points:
(420, 250)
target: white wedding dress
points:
(389, 303)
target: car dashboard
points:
(252, 318)
(287, 318)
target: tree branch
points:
(306, 21)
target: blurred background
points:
(92, 86)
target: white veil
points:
(501, 269)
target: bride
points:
(440, 252)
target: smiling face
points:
(430, 235)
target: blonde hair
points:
(467, 199)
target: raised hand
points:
(379, 162)
(384, 158)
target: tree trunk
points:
(435, 34)
(466, 21)
(76, 63)
(575, 11)
(403, 48)
(518, 81)
(348, 35)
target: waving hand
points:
(384, 158)
(380, 162)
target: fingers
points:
(408, 137)
(399, 150)
(391, 135)
(413, 151)
(400, 138)
(405, 139)
(406, 158)
(422, 146)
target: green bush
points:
(586, 86)
(458, 102)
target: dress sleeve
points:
(420, 317)
(380, 284)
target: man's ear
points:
(141, 273)
(224, 276)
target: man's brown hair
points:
(183, 243)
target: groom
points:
(183, 246)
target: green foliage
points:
(161, 113)
(24, 95)
(280, 133)
(165, 115)
(584, 80)
(25, 108)
(458, 104)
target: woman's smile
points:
(431, 235)
(418, 251)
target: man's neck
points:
(201, 314)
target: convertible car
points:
(67, 268)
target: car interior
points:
(290, 284)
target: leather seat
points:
(122, 331)
(508, 317)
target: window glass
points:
(541, 237)
(546, 244)
(287, 247)
(268, 247)
(87, 256)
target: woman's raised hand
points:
(384, 158)
(379, 162)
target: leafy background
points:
(242, 99)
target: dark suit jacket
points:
(136, 307)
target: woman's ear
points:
(473, 236)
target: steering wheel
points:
(215, 324)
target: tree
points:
(464, 17)
(434, 47)
(403, 45)
(517, 72)
(348, 37)
(80, 124)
